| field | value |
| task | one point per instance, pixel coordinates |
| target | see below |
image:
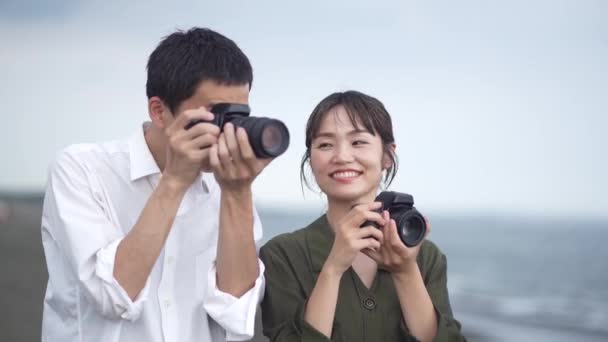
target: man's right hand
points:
(188, 150)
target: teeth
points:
(346, 174)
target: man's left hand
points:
(233, 161)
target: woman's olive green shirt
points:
(293, 262)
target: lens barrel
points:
(411, 225)
(268, 137)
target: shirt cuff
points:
(307, 331)
(117, 300)
(407, 337)
(235, 315)
(447, 329)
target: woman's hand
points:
(393, 255)
(350, 238)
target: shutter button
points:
(369, 303)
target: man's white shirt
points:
(95, 194)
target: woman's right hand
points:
(350, 238)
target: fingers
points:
(214, 160)
(199, 136)
(370, 206)
(428, 226)
(246, 152)
(231, 143)
(374, 255)
(237, 156)
(188, 116)
(368, 232)
(388, 238)
(198, 130)
(365, 212)
(223, 153)
(231, 158)
(369, 243)
(201, 142)
(393, 240)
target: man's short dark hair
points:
(184, 59)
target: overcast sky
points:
(498, 106)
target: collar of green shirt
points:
(319, 242)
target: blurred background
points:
(500, 112)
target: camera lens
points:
(272, 138)
(411, 228)
(268, 137)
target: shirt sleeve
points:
(83, 234)
(236, 315)
(435, 279)
(285, 300)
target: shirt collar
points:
(320, 241)
(142, 162)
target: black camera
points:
(411, 225)
(268, 137)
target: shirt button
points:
(167, 303)
(369, 303)
(170, 259)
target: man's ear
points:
(387, 162)
(159, 113)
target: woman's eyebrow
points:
(332, 135)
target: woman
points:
(336, 281)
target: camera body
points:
(411, 225)
(224, 113)
(268, 137)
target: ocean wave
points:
(548, 311)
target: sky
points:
(498, 106)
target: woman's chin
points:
(351, 198)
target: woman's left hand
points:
(393, 255)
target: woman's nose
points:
(343, 154)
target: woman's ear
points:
(387, 161)
(158, 112)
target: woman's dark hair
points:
(363, 110)
(184, 59)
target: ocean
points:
(537, 273)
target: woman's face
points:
(347, 163)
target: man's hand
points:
(233, 161)
(188, 150)
(185, 155)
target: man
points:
(153, 238)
